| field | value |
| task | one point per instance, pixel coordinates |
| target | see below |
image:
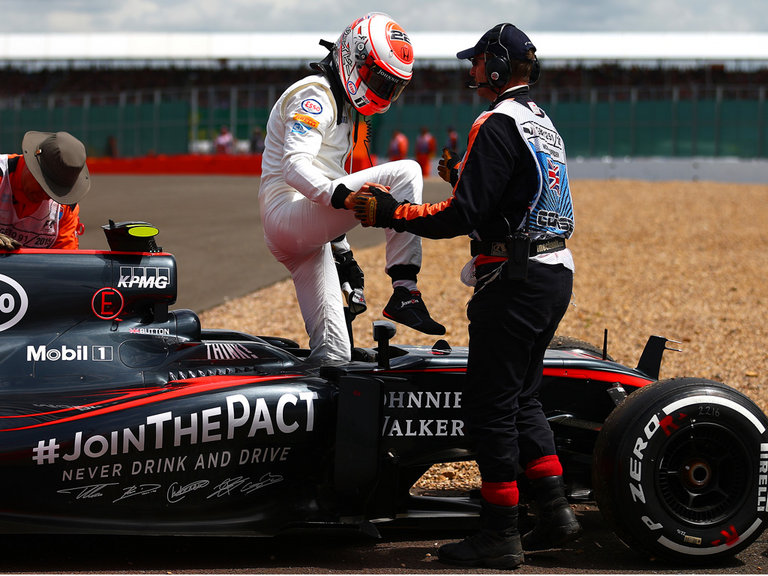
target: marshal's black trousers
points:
(511, 323)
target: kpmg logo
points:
(144, 277)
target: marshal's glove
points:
(446, 167)
(8, 244)
(375, 206)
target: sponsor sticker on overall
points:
(306, 120)
(312, 106)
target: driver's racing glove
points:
(375, 206)
(8, 244)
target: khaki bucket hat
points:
(57, 161)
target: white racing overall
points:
(304, 157)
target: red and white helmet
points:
(374, 58)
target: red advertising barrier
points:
(204, 164)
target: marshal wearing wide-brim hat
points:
(57, 161)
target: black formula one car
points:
(120, 415)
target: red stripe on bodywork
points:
(192, 386)
(425, 371)
(573, 373)
(128, 394)
(581, 374)
(59, 252)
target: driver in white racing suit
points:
(305, 187)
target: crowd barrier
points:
(202, 164)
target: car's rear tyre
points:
(569, 343)
(677, 470)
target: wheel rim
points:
(703, 474)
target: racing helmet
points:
(374, 59)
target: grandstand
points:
(611, 95)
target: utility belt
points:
(535, 248)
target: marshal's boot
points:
(497, 544)
(556, 521)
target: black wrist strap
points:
(339, 196)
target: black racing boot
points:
(556, 521)
(496, 545)
(408, 308)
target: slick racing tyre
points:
(680, 471)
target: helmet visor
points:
(380, 82)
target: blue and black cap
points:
(504, 41)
